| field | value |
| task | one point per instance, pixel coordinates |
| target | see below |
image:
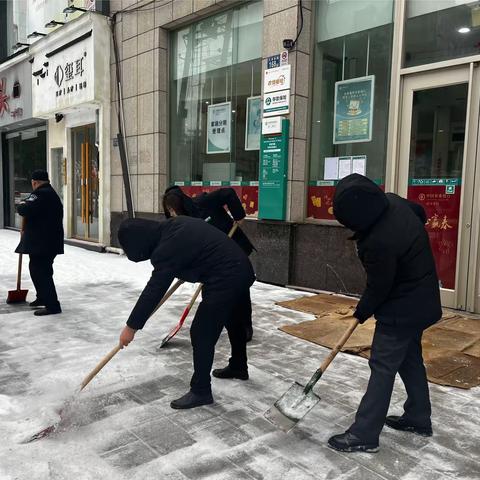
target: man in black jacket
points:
(212, 205)
(42, 239)
(190, 249)
(403, 294)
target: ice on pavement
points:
(121, 425)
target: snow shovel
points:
(18, 295)
(185, 313)
(298, 400)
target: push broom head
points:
(17, 296)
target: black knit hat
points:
(40, 175)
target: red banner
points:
(248, 196)
(320, 202)
(442, 225)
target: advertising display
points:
(219, 128)
(353, 113)
(253, 124)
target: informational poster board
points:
(253, 124)
(219, 121)
(336, 168)
(353, 113)
(272, 190)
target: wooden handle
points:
(339, 345)
(19, 272)
(232, 230)
(169, 293)
(102, 363)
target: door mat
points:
(451, 347)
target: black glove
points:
(360, 317)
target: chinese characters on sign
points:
(69, 77)
(218, 128)
(353, 110)
(253, 125)
(277, 79)
(277, 103)
(441, 200)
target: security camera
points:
(288, 43)
(58, 117)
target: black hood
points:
(139, 237)
(191, 210)
(358, 202)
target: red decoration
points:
(4, 107)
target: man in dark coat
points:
(213, 205)
(42, 239)
(403, 294)
(194, 251)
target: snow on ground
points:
(121, 425)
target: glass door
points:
(85, 183)
(438, 135)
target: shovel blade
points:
(17, 296)
(289, 409)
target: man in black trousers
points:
(194, 251)
(403, 294)
(42, 239)
(213, 205)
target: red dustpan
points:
(18, 295)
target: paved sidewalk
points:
(121, 426)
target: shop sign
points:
(275, 79)
(441, 200)
(4, 106)
(253, 125)
(271, 125)
(273, 175)
(278, 60)
(63, 75)
(353, 113)
(276, 103)
(219, 127)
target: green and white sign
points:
(353, 113)
(272, 189)
(219, 121)
(276, 103)
(253, 125)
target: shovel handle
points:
(102, 363)
(19, 272)
(170, 292)
(317, 375)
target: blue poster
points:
(353, 113)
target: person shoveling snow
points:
(190, 249)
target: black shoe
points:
(192, 400)
(348, 442)
(37, 303)
(399, 423)
(249, 333)
(227, 372)
(47, 311)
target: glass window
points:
(26, 153)
(350, 96)
(215, 86)
(437, 30)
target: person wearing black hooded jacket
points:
(212, 205)
(190, 249)
(402, 292)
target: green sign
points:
(353, 110)
(272, 187)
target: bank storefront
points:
(71, 91)
(23, 138)
(397, 98)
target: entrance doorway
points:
(85, 183)
(438, 156)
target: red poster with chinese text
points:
(248, 195)
(442, 226)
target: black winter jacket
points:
(43, 212)
(212, 205)
(402, 284)
(186, 248)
